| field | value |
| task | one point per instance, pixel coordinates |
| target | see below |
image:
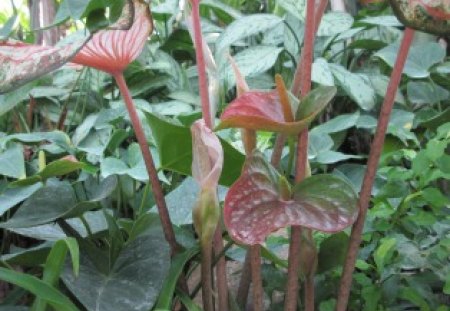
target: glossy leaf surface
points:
(258, 203)
(258, 110)
(134, 281)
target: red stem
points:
(244, 283)
(201, 67)
(255, 263)
(281, 139)
(372, 164)
(309, 293)
(206, 271)
(302, 83)
(149, 163)
(221, 271)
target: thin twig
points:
(372, 164)
(206, 272)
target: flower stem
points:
(255, 264)
(201, 67)
(206, 272)
(149, 163)
(302, 83)
(244, 283)
(221, 271)
(372, 164)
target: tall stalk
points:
(302, 84)
(372, 164)
(222, 287)
(149, 164)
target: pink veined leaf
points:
(260, 202)
(113, 50)
(21, 62)
(207, 155)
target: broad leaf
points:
(357, 86)
(244, 27)
(174, 143)
(420, 58)
(258, 110)
(58, 201)
(134, 281)
(260, 203)
(13, 196)
(12, 163)
(64, 166)
(252, 62)
(334, 23)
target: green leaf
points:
(333, 23)
(316, 100)
(420, 58)
(297, 8)
(333, 251)
(174, 143)
(384, 252)
(58, 201)
(321, 72)
(28, 257)
(251, 62)
(426, 93)
(56, 137)
(181, 201)
(38, 288)
(410, 294)
(12, 163)
(245, 27)
(134, 281)
(43, 206)
(340, 123)
(54, 265)
(357, 86)
(176, 268)
(56, 168)
(71, 8)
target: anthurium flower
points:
(109, 50)
(438, 9)
(261, 201)
(206, 169)
(425, 15)
(113, 50)
(272, 111)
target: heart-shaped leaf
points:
(425, 15)
(265, 111)
(259, 203)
